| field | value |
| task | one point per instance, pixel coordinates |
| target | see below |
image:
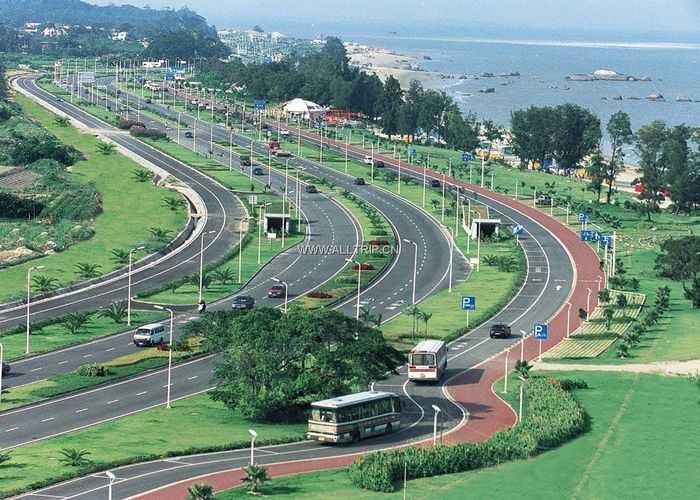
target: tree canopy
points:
(274, 365)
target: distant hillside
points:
(127, 17)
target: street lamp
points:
(359, 280)
(415, 268)
(253, 435)
(588, 303)
(170, 351)
(110, 475)
(520, 403)
(523, 336)
(128, 298)
(286, 287)
(201, 263)
(505, 374)
(240, 246)
(435, 418)
(568, 320)
(2, 352)
(29, 293)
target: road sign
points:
(586, 235)
(606, 241)
(469, 303)
(518, 230)
(260, 103)
(597, 235)
(583, 217)
(541, 331)
(467, 157)
(413, 152)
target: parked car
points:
(499, 331)
(149, 100)
(243, 302)
(367, 160)
(5, 369)
(359, 181)
(544, 199)
(378, 164)
(281, 153)
(258, 171)
(189, 134)
(435, 183)
(276, 291)
(311, 189)
(150, 335)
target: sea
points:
(544, 58)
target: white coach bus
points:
(427, 361)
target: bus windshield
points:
(323, 415)
(423, 359)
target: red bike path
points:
(487, 413)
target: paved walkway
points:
(680, 368)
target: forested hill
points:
(127, 17)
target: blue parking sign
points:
(583, 217)
(586, 235)
(469, 303)
(467, 157)
(541, 331)
(606, 241)
(518, 230)
(260, 103)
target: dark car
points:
(276, 292)
(149, 100)
(359, 181)
(245, 161)
(544, 199)
(243, 302)
(311, 189)
(435, 183)
(499, 331)
(189, 134)
(5, 369)
(258, 171)
(378, 164)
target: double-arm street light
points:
(170, 352)
(128, 292)
(29, 296)
(201, 263)
(415, 268)
(359, 282)
(286, 288)
(435, 419)
(253, 435)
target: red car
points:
(276, 292)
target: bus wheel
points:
(355, 436)
(387, 429)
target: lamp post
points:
(359, 281)
(253, 435)
(568, 320)
(2, 353)
(435, 419)
(261, 217)
(505, 374)
(520, 403)
(201, 262)
(240, 246)
(588, 302)
(110, 475)
(29, 295)
(286, 288)
(128, 293)
(415, 268)
(170, 351)
(523, 336)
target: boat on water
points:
(683, 98)
(656, 97)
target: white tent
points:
(305, 109)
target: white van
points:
(150, 335)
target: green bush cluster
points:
(633, 337)
(553, 417)
(93, 370)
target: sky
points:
(670, 16)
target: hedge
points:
(553, 417)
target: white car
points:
(367, 160)
(150, 335)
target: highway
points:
(547, 286)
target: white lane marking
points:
(62, 362)
(81, 410)
(35, 369)
(112, 402)
(142, 393)
(12, 429)
(193, 377)
(87, 355)
(47, 420)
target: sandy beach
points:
(403, 67)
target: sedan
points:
(499, 331)
(359, 181)
(5, 369)
(258, 171)
(276, 292)
(243, 302)
(311, 189)
(435, 183)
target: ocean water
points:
(544, 59)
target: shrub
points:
(553, 417)
(363, 267)
(149, 133)
(93, 370)
(320, 295)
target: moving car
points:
(258, 171)
(245, 161)
(499, 331)
(281, 153)
(243, 302)
(359, 181)
(5, 368)
(544, 199)
(150, 335)
(311, 189)
(189, 134)
(276, 291)
(378, 163)
(367, 160)
(435, 183)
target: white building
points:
(119, 36)
(300, 108)
(53, 32)
(31, 27)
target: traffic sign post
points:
(518, 231)
(583, 219)
(467, 157)
(586, 235)
(468, 304)
(541, 332)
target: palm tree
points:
(621, 301)
(5, 457)
(87, 271)
(425, 316)
(44, 283)
(522, 367)
(415, 313)
(224, 276)
(256, 475)
(120, 257)
(106, 148)
(74, 457)
(206, 280)
(608, 315)
(623, 350)
(174, 204)
(159, 233)
(200, 492)
(140, 175)
(73, 322)
(116, 312)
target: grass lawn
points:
(55, 336)
(130, 208)
(157, 432)
(633, 450)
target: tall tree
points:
(597, 171)
(533, 134)
(492, 133)
(392, 100)
(681, 168)
(650, 146)
(577, 134)
(619, 130)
